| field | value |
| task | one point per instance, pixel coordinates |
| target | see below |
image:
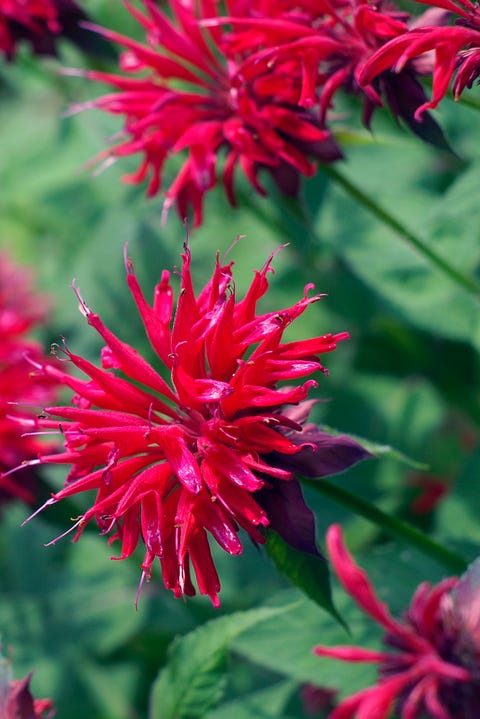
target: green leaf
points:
(263, 704)
(305, 571)
(286, 647)
(419, 256)
(194, 678)
(73, 598)
(458, 516)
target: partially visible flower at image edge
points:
(16, 700)
(455, 51)
(433, 666)
(39, 23)
(215, 449)
(21, 311)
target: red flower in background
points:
(40, 24)
(249, 90)
(20, 311)
(431, 491)
(182, 93)
(16, 700)
(456, 50)
(434, 668)
(213, 449)
(20, 704)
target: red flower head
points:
(456, 49)
(211, 450)
(325, 47)
(191, 97)
(20, 311)
(434, 669)
(16, 700)
(40, 23)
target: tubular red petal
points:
(351, 654)
(355, 581)
(181, 460)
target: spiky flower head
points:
(182, 94)
(431, 663)
(206, 440)
(21, 310)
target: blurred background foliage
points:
(407, 378)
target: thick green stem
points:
(413, 536)
(466, 283)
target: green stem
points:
(452, 561)
(466, 283)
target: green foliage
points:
(305, 571)
(270, 703)
(194, 677)
(458, 519)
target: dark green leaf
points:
(305, 571)
(194, 678)
(264, 704)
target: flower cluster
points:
(212, 450)
(20, 311)
(39, 23)
(434, 668)
(250, 90)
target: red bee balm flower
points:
(209, 451)
(191, 97)
(20, 311)
(434, 669)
